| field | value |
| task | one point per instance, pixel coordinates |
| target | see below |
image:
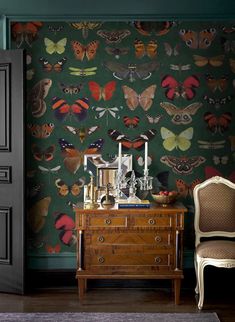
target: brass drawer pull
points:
(157, 260)
(100, 239)
(158, 239)
(107, 221)
(152, 221)
(101, 260)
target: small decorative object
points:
(107, 200)
(90, 194)
(164, 198)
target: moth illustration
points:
(182, 165)
(171, 51)
(98, 92)
(74, 189)
(82, 132)
(40, 154)
(176, 89)
(154, 119)
(117, 52)
(136, 143)
(180, 67)
(73, 158)
(25, 32)
(132, 72)
(215, 61)
(150, 49)
(85, 26)
(37, 95)
(186, 189)
(78, 109)
(55, 29)
(215, 84)
(53, 249)
(145, 99)
(202, 39)
(49, 67)
(55, 47)
(228, 45)
(113, 36)
(181, 115)
(42, 131)
(70, 89)
(159, 28)
(217, 102)
(172, 140)
(211, 145)
(220, 159)
(89, 51)
(90, 71)
(37, 214)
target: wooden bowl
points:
(164, 201)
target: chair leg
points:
(196, 273)
(200, 273)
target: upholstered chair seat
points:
(214, 224)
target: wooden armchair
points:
(214, 220)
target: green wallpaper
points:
(91, 85)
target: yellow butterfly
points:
(55, 47)
(181, 141)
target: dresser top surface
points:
(154, 208)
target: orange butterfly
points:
(105, 92)
(41, 131)
(185, 189)
(145, 99)
(53, 249)
(80, 50)
(141, 50)
(201, 39)
(25, 32)
(221, 83)
(48, 67)
(74, 189)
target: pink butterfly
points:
(175, 89)
(211, 172)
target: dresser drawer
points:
(157, 238)
(106, 221)
(157, 221)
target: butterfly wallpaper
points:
(93, 84)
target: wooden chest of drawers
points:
(130, 243)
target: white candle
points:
(145, 157)
(119, 157)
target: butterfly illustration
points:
(78, 109)
(48, 67)
(105, 92)
(232, 142)
(43, 155)
(202, 61)
(171, 51)
(140, 160)
(220, 159)
(25, 32)
(182, 165)
(201, 39)
(37, 214)
(74, 189)
(180, 68)
(55, 47)
(214, 84)
(131, 122)
(37, 95)
(185, 189)
(175, 89)
(181, 115)
(145, 99)
(232, 64)
(70, 89)
(113, 36)
(83, 71)
(218, 124)
(73, 158)
(228, 45)
(49, 171)
(82, 132)
(211, 172)
(53, 249)
(117, 52)
(113, 111)
(66, 225)
(30, 73)
(136, 143)
(172, 141)
(159, 28)
(42, 131)
(153, 119)
(211, 145)
(55, 29)
(89, 50)
(228, 29)
(131, 72)
(85, 26)
(217, 102)
(149, 50)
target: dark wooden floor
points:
(124, 296)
